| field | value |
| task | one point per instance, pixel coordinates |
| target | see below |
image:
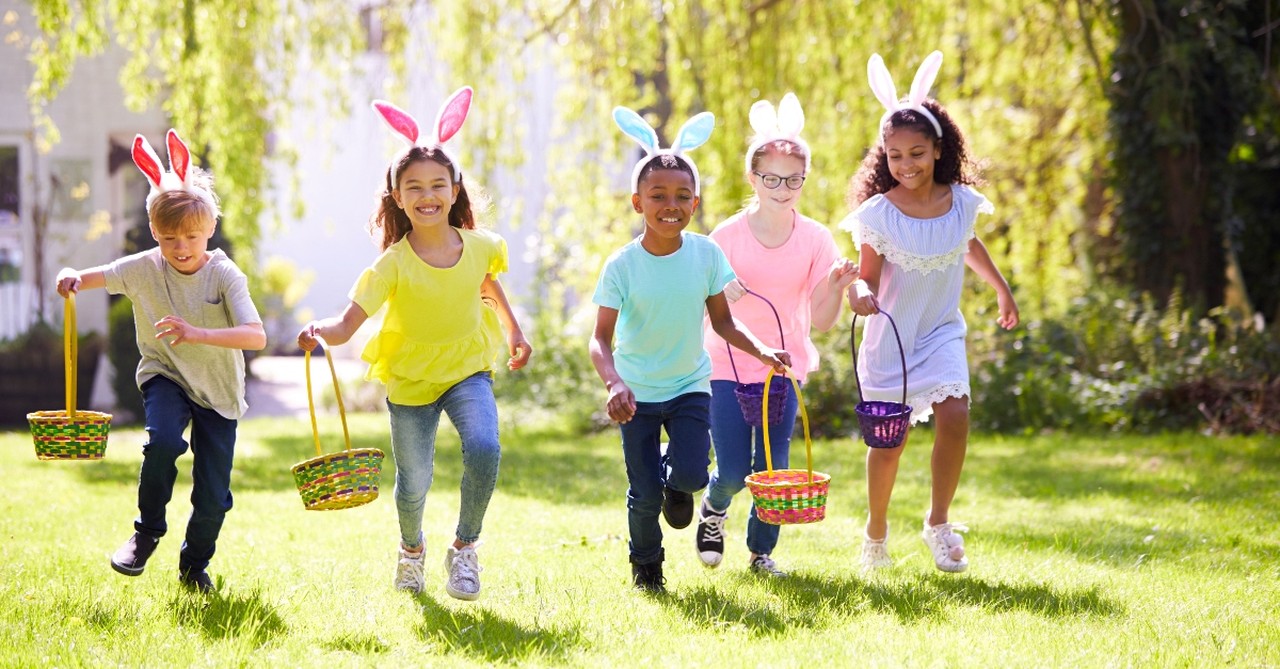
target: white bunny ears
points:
(694, 133)
(784, 123)
(448, 121)
(178, 177)
(882, 86)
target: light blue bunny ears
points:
(694, 133)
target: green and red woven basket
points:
(788, 496)
(70, 434)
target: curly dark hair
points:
(954, 167)
(389, 224)
(664, 161)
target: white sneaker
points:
(409, 574)
(710, 536)
(765, 566)
(946, 545)
(463, 567)
(875, 554)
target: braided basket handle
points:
(782, 336)
(337, 392)
(804, 417)
(853, 343)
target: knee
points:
(952, 415)
(645, 502)
(688, 480)
(483, 452)
(165, 442)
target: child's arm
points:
(335, 331)
(862, 294)
(73, 281)
(723, 322)
(621, 405)
(980, 262)
(516, 343)
(824, 303)
(246, 337)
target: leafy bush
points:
(122, 351)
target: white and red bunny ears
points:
(180, 173)
(882, 86)
(449, 120)
(772, 125)
(694, 133)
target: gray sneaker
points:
(765, 566)
(463, 568)
(409, 571)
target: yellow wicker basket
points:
(788, 496)
(70, 434)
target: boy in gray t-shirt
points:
(197, 304)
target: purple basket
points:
(883, 424)
(751, 395)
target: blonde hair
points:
(180, 210)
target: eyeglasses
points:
(772, 181)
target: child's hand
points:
(309, 337)
(734, 290)
(520, 352)
(862, 300)
(622, 402)
(1008, 310)
(776, 358)
(181, 331)
(843, 273)
(68, 281)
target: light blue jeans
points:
(473, 411)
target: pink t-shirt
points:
(786, 276)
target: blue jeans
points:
(213, 445)
(684, 467)
(473, 411)
(740, 452)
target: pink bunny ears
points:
(449, 121)
(178, 177)
(882, 86)
(770, 125)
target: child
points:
(654, 292)
(437, 344)
(791, 260)
(192, 371)
(915, 224)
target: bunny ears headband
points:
(180, 173)
(784, 123)
(448, 121)
(694, 133)
(882, 86)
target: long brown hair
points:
(952, 167)
(389, 223)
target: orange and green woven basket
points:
(70, 434)
(788, 496)
(338, 480)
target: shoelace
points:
(411, 571)
(949, 539)
(466, 567)
(713, 528)
(766, 564)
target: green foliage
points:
(122, 351)
(280, 288)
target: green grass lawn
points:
(1085, 551)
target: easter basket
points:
(789, 496)
(883, 424)
(70, 434)
(337, 480)
(751, 395)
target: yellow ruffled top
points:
(436, 331)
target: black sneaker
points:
(677, 508)
(197, 580)
(710, 539)
(131, 558)
(648, 577)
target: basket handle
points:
(337, 392)
(804, 417)
(782, 336)
(70, 352)
(853, 343)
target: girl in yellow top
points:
(438, 340)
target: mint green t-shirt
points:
(661, 301)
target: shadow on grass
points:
(709, 607)
(490, 638)
(222, 616)
(362, 644)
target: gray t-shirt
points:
(216, 296)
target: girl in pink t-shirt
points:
(791, 260)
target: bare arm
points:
(72, 281)
(725, 325)
(621, 404)
(336, 331)
(517, 345)
(862, 294)
(979, 260)
(824, 303)
(246, 337)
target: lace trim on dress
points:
(912, 261)
(922, 404)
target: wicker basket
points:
(751, 395)
(883, 424)
(337, 480)
(70, 434)
(789, 496)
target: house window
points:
(9, 185)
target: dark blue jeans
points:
(686, 420)
(740, 452)
(213, 444)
